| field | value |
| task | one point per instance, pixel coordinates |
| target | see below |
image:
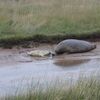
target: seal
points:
(74, 46)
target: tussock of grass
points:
(21, 19)
(84, 89)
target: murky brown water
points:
(70, 63)
(17, 69)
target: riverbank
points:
(27, 25)
(48, 21)
(19, 53)
(30, 41)
(84, 89)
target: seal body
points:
(74, 46)
(39, 53)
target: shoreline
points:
(28, 41)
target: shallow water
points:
(22, 74)
(17, 70)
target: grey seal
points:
(74, 46)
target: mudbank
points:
(68, 46)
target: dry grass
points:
(84, 89)
(22, 18)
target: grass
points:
(48, 20)
(84, 89)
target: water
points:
(23, 74)
(19, 71)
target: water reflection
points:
(70, 63)
(17, 75)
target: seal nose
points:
(94, 46)
(51, 54)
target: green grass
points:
(26, 19)
(84, 89)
